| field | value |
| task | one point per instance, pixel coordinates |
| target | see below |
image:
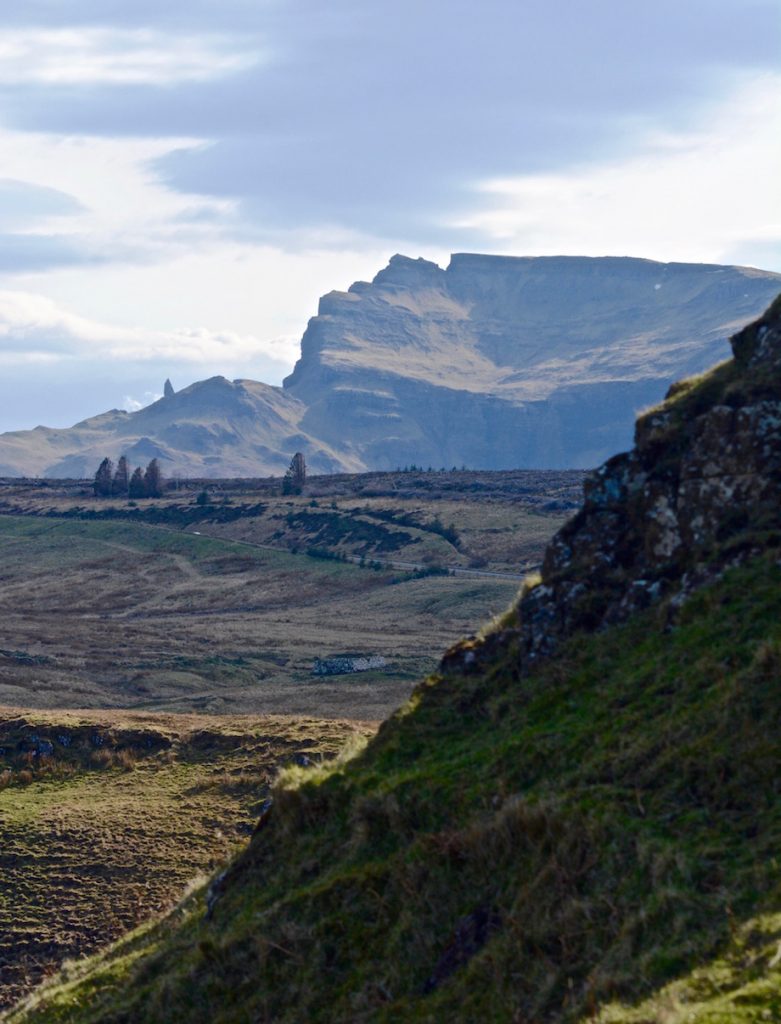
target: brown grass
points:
(118, 615)
(89, 852)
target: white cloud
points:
(115, 197)
(174, 288)
(97, 56)
(33, 328)
(130, 404)
(700, 196)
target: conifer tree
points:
(121, 481)
(103, 479)
(136, 487)
(153, 480)
(295, 477)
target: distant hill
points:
(496, 362)
(213, 428)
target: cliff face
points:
(501, 362)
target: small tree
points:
(295, 477)
(153, 480)
(137, 487)
(121, 479)
(103, 479)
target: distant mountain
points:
(501, 362)
(496, 362)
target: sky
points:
(180, 182)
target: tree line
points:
(120, 482)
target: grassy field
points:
(107, 818)
(223, 609)
(499, 536)
(494, 521)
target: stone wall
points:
(341, 665)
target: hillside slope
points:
(213, 428)
(580, 809)
(495, 363)
(107, 817)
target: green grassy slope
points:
(507, 849)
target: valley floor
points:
(224, 607)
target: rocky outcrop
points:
(699, 492)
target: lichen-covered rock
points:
(700, 491)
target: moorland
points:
(223, 607)
(153, 653)
(107, 818)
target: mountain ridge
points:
(495, 362)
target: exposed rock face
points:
(495, 363)
(500, 362)
(699, 492)
(168, 389)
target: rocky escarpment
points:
(499, 362)
(699, 492)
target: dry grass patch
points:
(107, 818)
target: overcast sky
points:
(180, 181)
